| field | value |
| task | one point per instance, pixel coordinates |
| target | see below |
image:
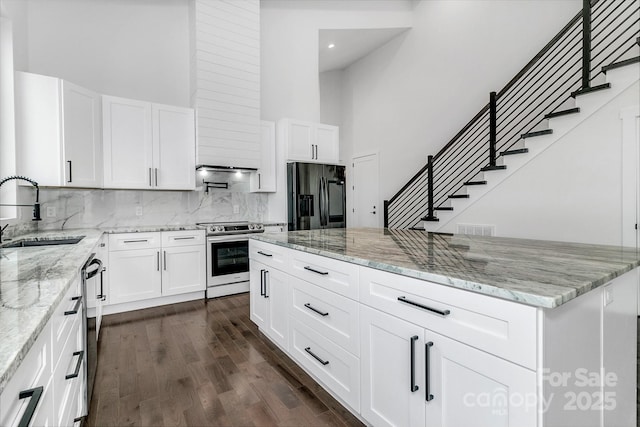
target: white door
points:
(82, 111)
(468, 387)
(128, 145)
(174, 147)
(300, 140)
(277, 293)
(366, 208)
(135, 275)
(183, 270)
(258, 302)
(327, 144)
(390, 396)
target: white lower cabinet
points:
(143, 266)
(269, 302)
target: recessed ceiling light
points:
(331, 46)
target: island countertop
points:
(535, 272)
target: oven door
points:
(227, 259)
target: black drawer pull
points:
(424, 307)
(427, 346)
(35, 394)
(80, 355)
(75, 420)
(135, 241)
(76, 307)
(414, 386)
(266, 283)
(324, 273)
(262, 283)
(316, 310)
(265, 254)
(184, 238)
(324, 362)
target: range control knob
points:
(252, 227)
(258, 227)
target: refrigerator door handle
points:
(326, 202)
(321, 201)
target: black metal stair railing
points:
(568, 63)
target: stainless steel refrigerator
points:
(316, 196)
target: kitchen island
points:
(414, 328)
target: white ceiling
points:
(351, 45)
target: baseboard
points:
(153, 302)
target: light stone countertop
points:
(33, 281)
(534, 272)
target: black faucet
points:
(36, 205)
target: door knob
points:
(374, 212)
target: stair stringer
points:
(620, 79)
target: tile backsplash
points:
(77, 208)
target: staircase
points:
(594, 58)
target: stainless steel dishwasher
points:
(90, 271)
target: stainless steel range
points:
(228, 256)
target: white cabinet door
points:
(264, 180)
(258, 302)
(174, 147)
(183, 270)
(277, 295)
(390, 396)
(128, 144)
(327, 146)
(82, 116)
(135, 275)
(300, 140)
(471, 387)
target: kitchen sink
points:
(25, 243)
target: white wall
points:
(134, 48)
(289, 47)
(570, 192)
(409, 97)
(331, 97)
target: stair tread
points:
(562, 112)
(431, 219)
(537, 133)
(493, 168)
(458, 196)
(475, 183)
(517, 151)
(443, 208)
(620, 64)
(590, 89)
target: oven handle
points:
(223, 239)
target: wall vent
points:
(477, 229)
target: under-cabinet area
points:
(401, 351)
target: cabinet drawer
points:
(127, 241)
(333, 316)
(335, 367)
(503, 328)
(272, 255)
(34, 371)
(71, 362)
(182, 238)
(337, 276)
(68, 311)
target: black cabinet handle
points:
(324, 362)
(135, 241)
(424, 307)
(35, 394)
(324, 273)
(266, 283)
(316, 310)
(76, 307)
(165, 259)
(70, 176)
(428, 394)
(75, 420)
(184, 238)
(414, 386)
(265, 254)
(101, 296)
(261, 283)
(157, 260)
(80, 355)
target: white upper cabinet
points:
(310, 142)
(148, 146)
(264, 180)
(174, 148)
(58, 130)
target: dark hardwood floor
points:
(202, 364)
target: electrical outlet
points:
(51, 211)
(236, 209)
(138, 210)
